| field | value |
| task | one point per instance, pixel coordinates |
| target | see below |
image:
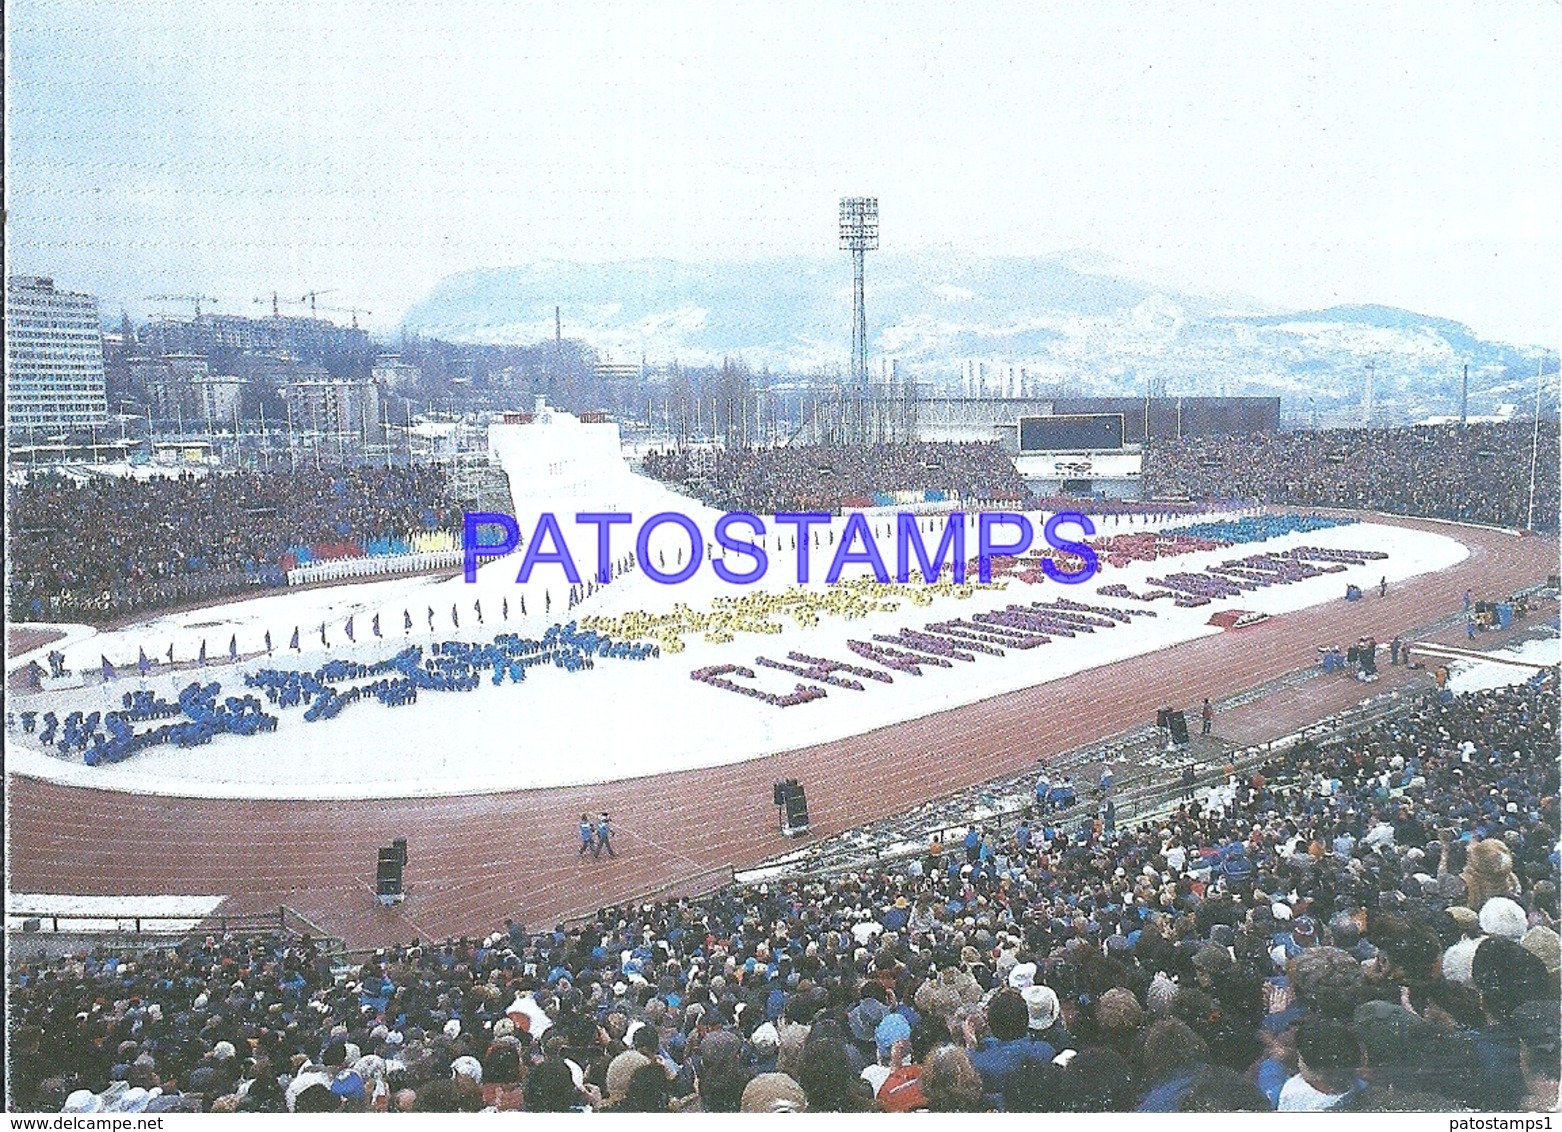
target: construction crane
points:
(354, 311)
(311, 296)
(197, 300)
(275, 313)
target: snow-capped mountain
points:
(1069, 321)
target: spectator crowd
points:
(1368, 924)
(1480, 475)
(106, 547)
(808, 478)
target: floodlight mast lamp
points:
(859, 234)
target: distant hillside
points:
(1087, 330)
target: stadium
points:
(518, 600)
(1282, 769)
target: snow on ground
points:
(1478, 676)
(552, 730)
(111, 913)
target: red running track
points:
(476, 860)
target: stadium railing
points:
(284, 921)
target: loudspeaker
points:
(387, 875)
(400, 845)
(796, 809)
(780, 792)
(1163, 717)
(1179, 727)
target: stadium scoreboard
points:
(1072, 432)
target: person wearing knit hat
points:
(1500, 916)
(1118, 1013)
(1465, 919)
(1488, 872)
(773, 1092)
(1544, 944)
(620, 1070)
(1160, 994)
(789, 1052)
(467, 1067)
(766, 1043)
(1457, 961)
(301, 1082)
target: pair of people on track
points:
(596, 836)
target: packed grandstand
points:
(95, 547)
(1366, 925)
(168, 541)
(1481, 474)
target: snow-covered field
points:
(621, 719)
(1478, 676)
(111, 913)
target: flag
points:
(455, 618)
(233, 647)
(142, 663)
(268, 642)
(170, 652)
(504, 609)
(377, 625)
(349, 628)
(431, 617)
(406, 621)
(108, 669)
(478, 605)
(202, 657)
(293, 644)
(323, 641)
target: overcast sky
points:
(1302, 154)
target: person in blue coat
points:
(604, 836)
(973, 845)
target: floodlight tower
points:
(859, 234)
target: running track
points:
(476, 860)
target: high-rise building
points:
(218, 400)
(311, 339)
(391, 372)
(334, 407)
(53, 357)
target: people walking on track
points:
(604, 837)
(586, 835)
(1206, 716)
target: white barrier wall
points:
(372, 567)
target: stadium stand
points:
(1481, 475)
(105, 548)
(1364, 925)
(807, 478)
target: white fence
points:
(375, 566)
